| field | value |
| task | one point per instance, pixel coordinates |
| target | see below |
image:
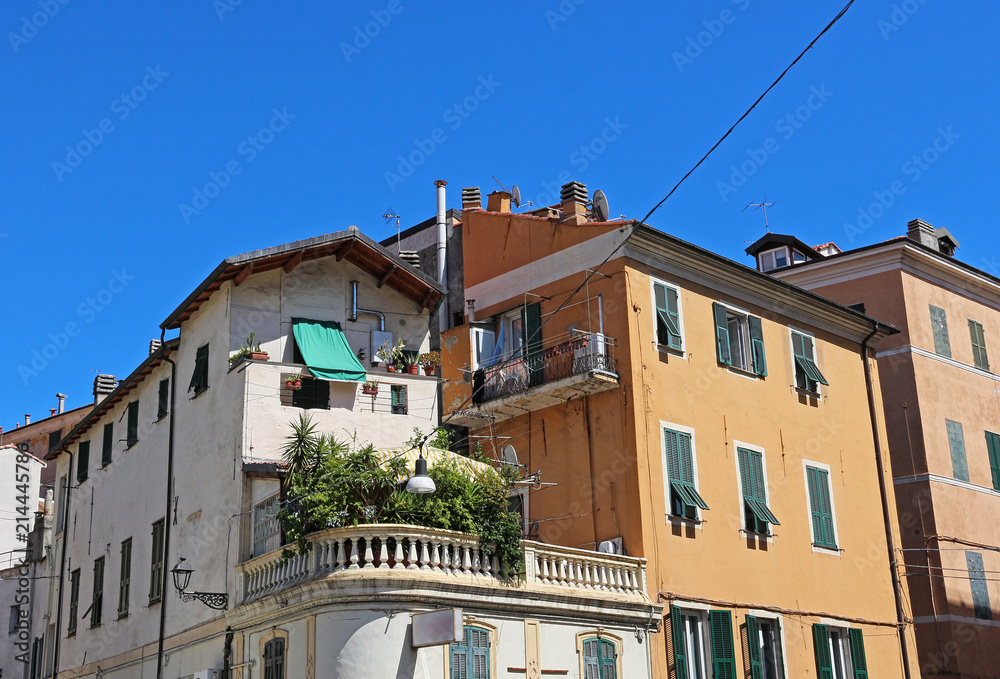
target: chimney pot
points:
(62, 402)
(52, 412)
(498, 201)
(103, 385)
(920, 231)
(471, 198)
(27, 419)
(574, 203)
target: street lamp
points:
(420, 482)
(182, 577)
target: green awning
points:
(325, 350)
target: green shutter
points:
(591, 659)
(531, 328)
(132, 432)
(668, 324)
(721, 334)
(479, 645)
(680, 649)
(993, 449)
(979, 357)
(459, 662)
(83, 462)
(858, 654)
(163, 403)
(753, 648)
(757, 343)
(723, 656)
(821, 641)
(754, 495)
(821, 507)
(199, 378)
(680, 471)
(956, 442)
(939, 328)
(109, 444)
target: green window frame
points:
(83, 462)
(132, 431)
(668, 317)
(108, 444)
(470, 658)
(199, 378)
(956, 444)
(807, 373)
(156, 564)
(125, 578)
(685, 500)
(993, 450)
(939, 328)
(274, 659)
(600, 659)
(979, 357)
(821, 507)
(398, 401)
(723, 654)
(74, 602)
(97, 602)
(757, 514)
(163, 399)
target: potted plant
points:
(412, 362)
(370, 387)
(430, 361)
(293, 381)
(250, 349)
(391, 354)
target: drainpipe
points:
(62, 570)
(442, 251)
(227, 653)
(355, 310)
(166, 516)
(890, 543)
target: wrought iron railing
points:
(584, 354)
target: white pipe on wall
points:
(442, 250)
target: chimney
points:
(471, 198)
(574, 203)
(103, 385)
(920, 231)
(498, 201)
(27, 419)
(52, 412)
(154, 346)
(410, 257)
(62, 403)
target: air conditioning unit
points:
(207, 674)
(613, 546)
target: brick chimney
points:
(498, 201)
(471, 198)
(574, 203)
(920, 231)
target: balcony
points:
(391, 560)
(581, 366)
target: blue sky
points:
(122, 123)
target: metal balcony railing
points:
(584, 354)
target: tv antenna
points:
(390, 215)
(761, 206)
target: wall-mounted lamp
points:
(182, 577)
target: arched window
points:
(470, 659)
(274, 659)
(600, 659)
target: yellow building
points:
(697, 413)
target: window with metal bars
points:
(600, 659)
(274, 659)
(470, 658)
(757, 514)
(685, 500)
(399, 404)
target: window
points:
(773, 259)
(156, 564)
(74, 600)
(518, 502)
(840, 653)
(314, 394)
(199, 378)
(684, 499)
(398, 393)
(54, 439)
(956, 443)
(274, 659)
(993, 450)
(757, 515)
(807, 374)
(125, 581)
(978, 345)
(108, 444)
(977, 579)
(739, 340)
(687, 631)
(723, 653)
(483, 347)
(83, 462)
(764, 648)
(15, 619)
(939, 328)
(797, 257)
(163, 400)
(60, 508)
(600, 659)
(97, 604)
(668, 317)
(266, 527)
(821, 507)
(132, 433)
(470, 659)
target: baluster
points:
(466, 560)
(397, 553)
(436, 556)
(545, 570)
(425, 558)
(334, 561)
(383, 553)
(354, 553)
(619, 585)
(604, 576)
(562, 571)
(369, 557)
(477, 561)
(487, 565)
(572, 577)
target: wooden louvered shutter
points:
(753, 648)
(723, 656)
(821, 640)
(721, 334)
(757, 345)
(858, 654)
(680, 649)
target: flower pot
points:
(413, 369)
(293, 384)
(258, 355)
(430, 369)
(371, 391)
(390, 368)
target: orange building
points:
(692, 411)
(942, 412)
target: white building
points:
(156, 473)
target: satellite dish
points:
(24, 446)
(600, 206)
(509, 456)
(515, 195)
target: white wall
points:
(19, 479)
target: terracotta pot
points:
(293, 384)
(430, 369)
(371, 391)
(258, 355)
(413, 369)
(390, 368)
